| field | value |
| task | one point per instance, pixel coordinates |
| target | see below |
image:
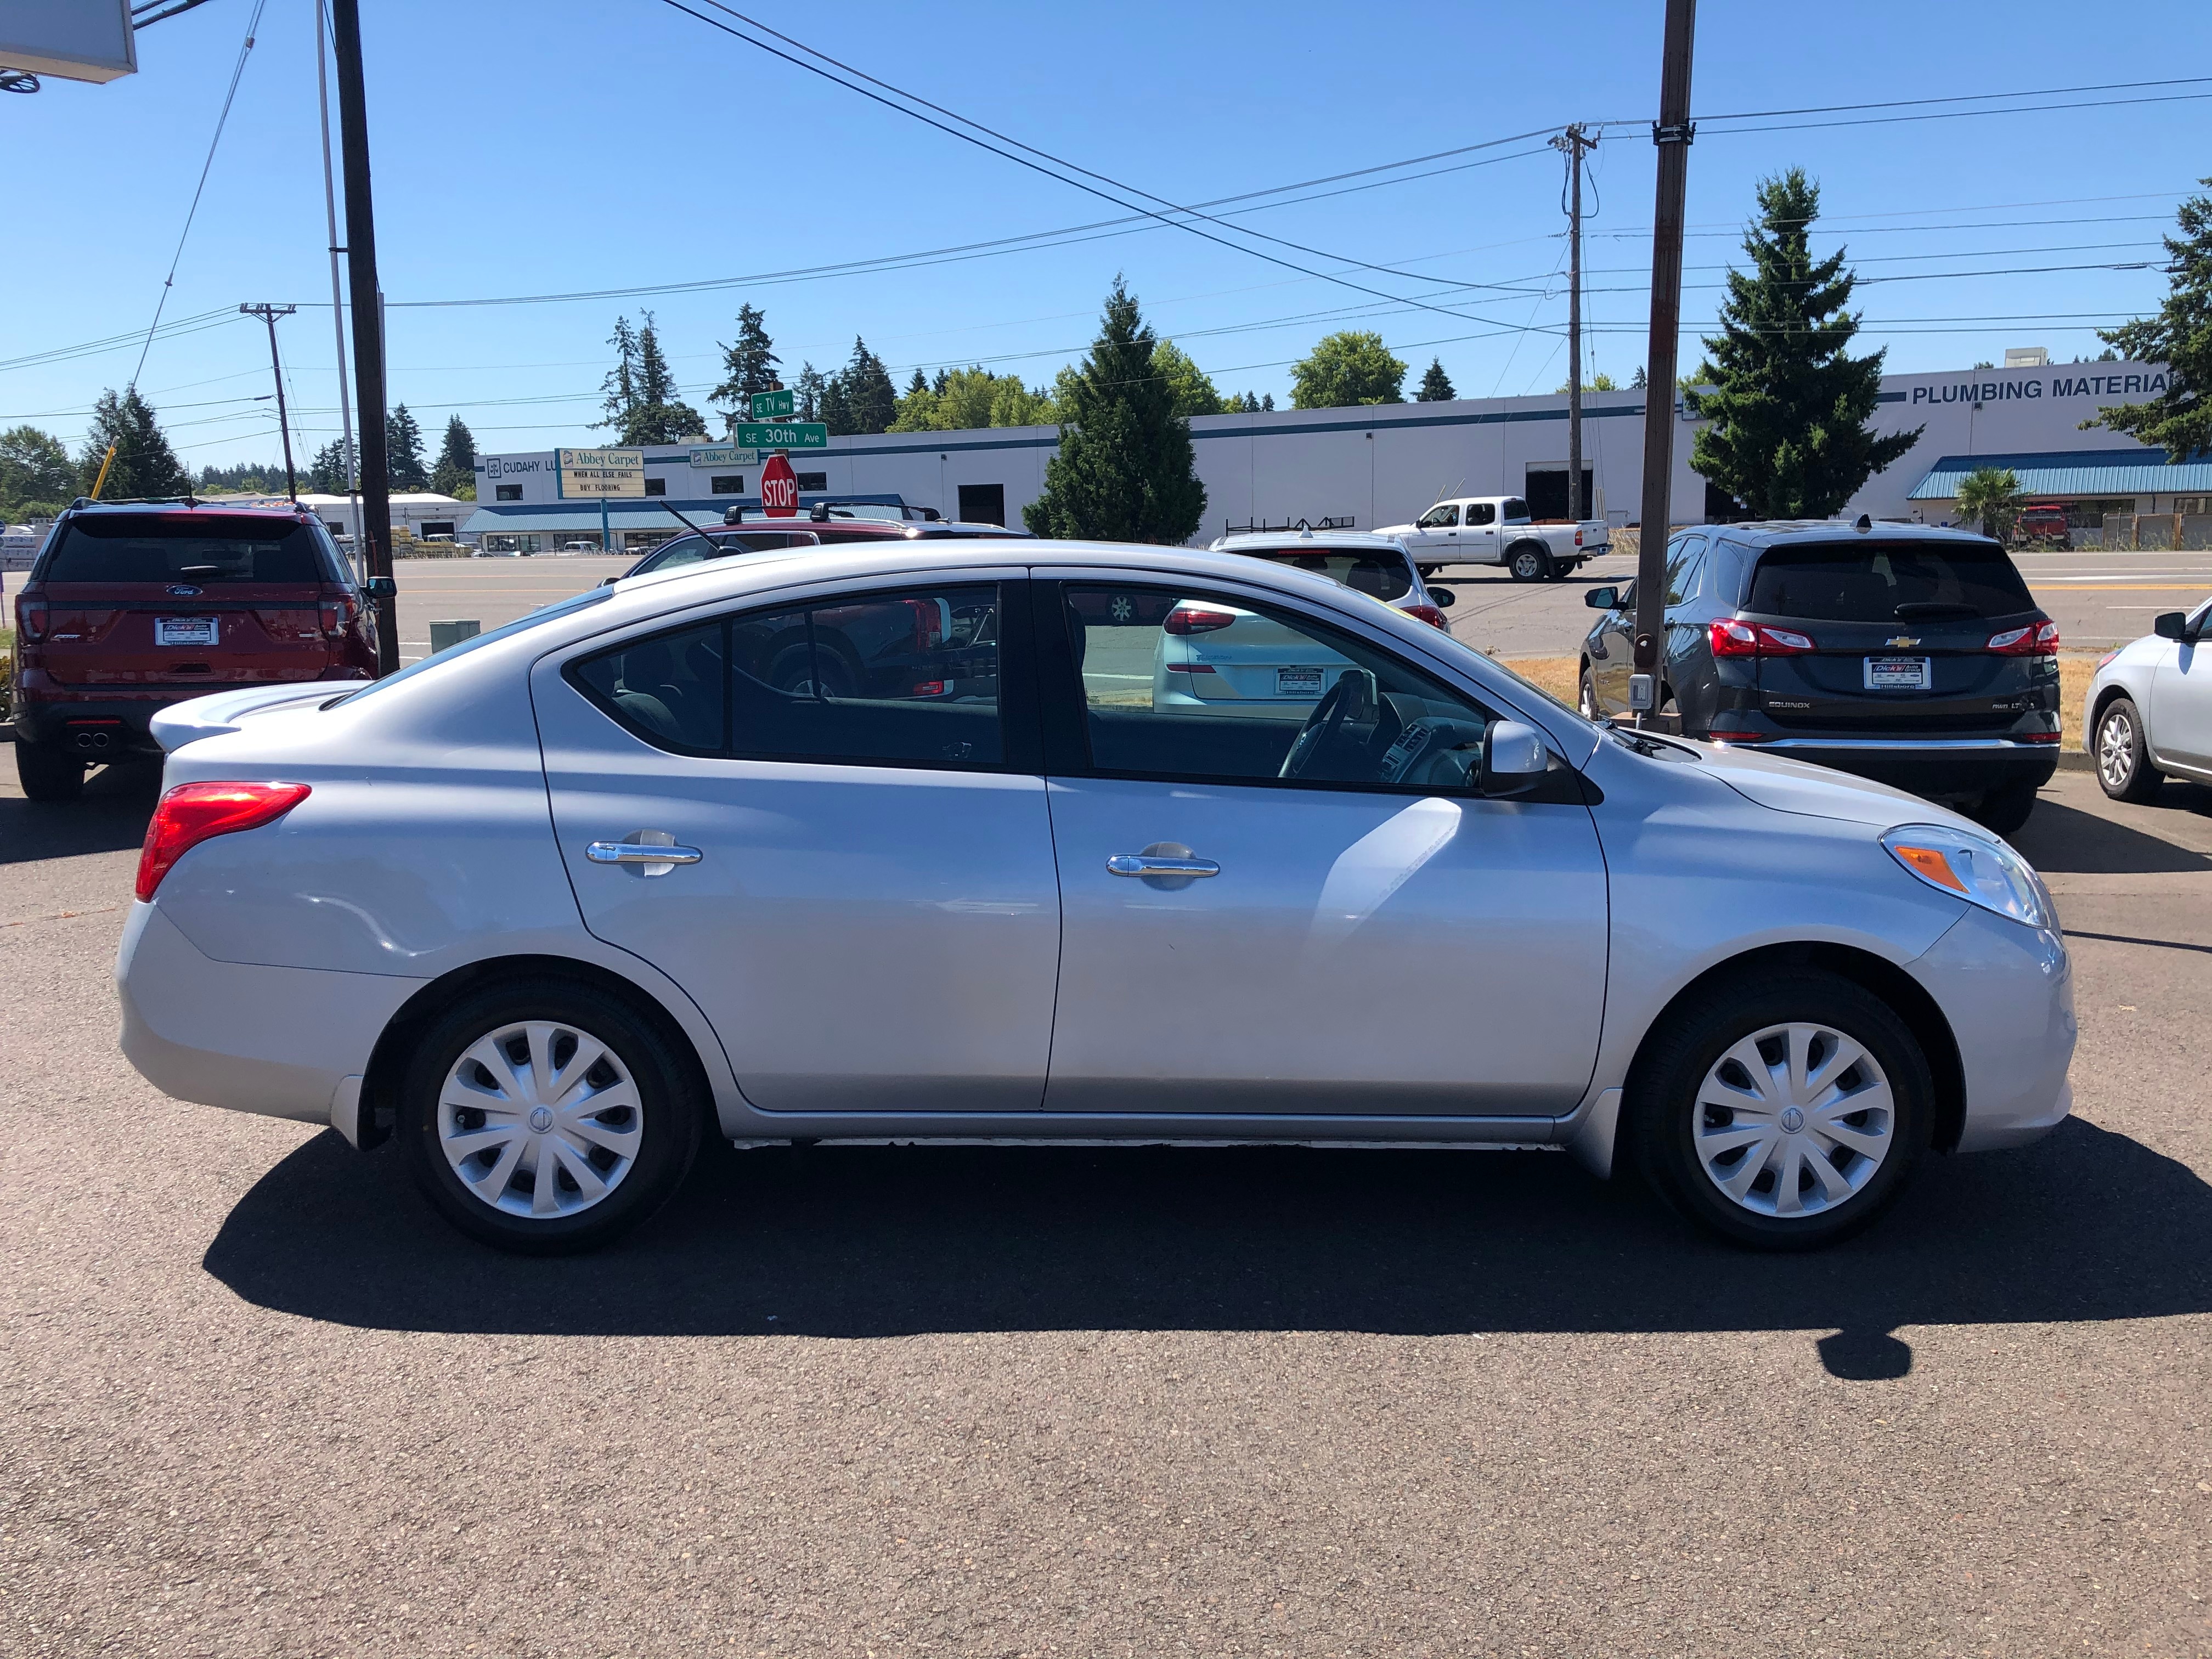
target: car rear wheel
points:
(1784, 1112)
(1528, 563)
(47, 773)
(545, 1117)
(2005, 809)
(2125, 770)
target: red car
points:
(2044, 522)
(133, 606)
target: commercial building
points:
(1382, 464)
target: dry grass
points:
(1557, 676)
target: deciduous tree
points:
(1190, 389)
(1347, 369)
(36, 473)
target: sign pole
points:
(605, 545)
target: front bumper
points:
(282, 1041)
(2007, 992)
(1931, 767)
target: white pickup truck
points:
(1497, 530)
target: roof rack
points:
(188, 499)
(1261, 527)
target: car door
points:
(2181, 713)
(1479, 534)
(1368, 936)
(1436, 533)
(1613, 654)
(858, 888)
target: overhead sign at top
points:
(773, 406)
(588, 472)
(81, 40)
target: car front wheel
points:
(2125, 770)
(1783, 1112)
(545, 1117)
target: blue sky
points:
(560, 146)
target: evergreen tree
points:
(808, 393)
(748, 364)
(870, 401)
(1125, 470)
(1347, 369)
(1639, 381)
(1190, 389)
(1790, 406)
(661, 417)
(1436, 385)
(327, 473)
(455, 475)
(837, 408)
(619, 403)
(36, 473)
(402, 451)
(144, 464)
(2179, 419)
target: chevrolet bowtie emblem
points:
(1905, 639)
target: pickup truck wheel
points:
(1528, 563)
(47, 773)
(1428, 570)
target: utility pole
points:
(268, 314)
(1573, 143)
(337, 294)
(1672, 133)
(373, 530)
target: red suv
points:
(131, 607)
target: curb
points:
(2076, 760)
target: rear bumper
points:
(123, 716)
(1929, 766)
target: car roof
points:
(1768, 532)
(1307, 541)
(182, 507)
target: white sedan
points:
(842, 843)
(2148, 711)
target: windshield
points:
(1888, 581)
(559, 608)
(205, 550)
(1380, 571)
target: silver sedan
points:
(881, 844)
(2148, 711)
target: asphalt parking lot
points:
(257, 1400)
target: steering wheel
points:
(1353, 697)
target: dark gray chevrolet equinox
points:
(1909, 655)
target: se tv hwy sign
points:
(779, 405)
(784, 435)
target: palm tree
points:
(1990, 493)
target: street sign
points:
(774, 406)
(725, 455)
(785, 435)
(583, 473)
(779, 489)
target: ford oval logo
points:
(183, 591)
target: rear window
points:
(202, 548)
(1888, 581)
(1363, 570)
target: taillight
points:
(337, 615)
(193, 812)
(2037, 640)
(1196, 619)
(2035, 737)
(1427, 613)
(31, 618)
(929, 627)
(1578, 537)
(928, 689)
(1731, 638)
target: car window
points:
(1724, 569)
(205, 550)
(1888, 581)
(1685, 555)
(1187, 684)
(903, 678)
(1516, 508)
(559, 608)
(1439, 518)
(1381, 572)
(1481, 512)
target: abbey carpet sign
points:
(2084, 380)
(585, 473)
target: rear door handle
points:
(1150, 864)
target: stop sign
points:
(779, 489)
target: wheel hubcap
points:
(1794, 1120)
(2116, 742)
(539, 1119)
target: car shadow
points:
(110, 816)
(871, 1241)
(2058, 839)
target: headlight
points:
(1982, 871)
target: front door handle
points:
(1153, 864)
(648, 851)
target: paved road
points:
(2099, 600)
(256, 1400)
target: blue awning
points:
(2131, 471)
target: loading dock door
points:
(1548, 492)
(982, 504)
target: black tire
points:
(1586, 697)
(2127, 774)
(671, 1114)
(1428, 570)
(1528, 563)
(2005, 808)
(47, 773)
(1665, 1116)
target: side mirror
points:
(1442, 598)
(1601, 599)
(609, 582)
(381, 587)
(2173, 625)
(1514, 759)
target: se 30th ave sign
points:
(784, 435)
(601, 472)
